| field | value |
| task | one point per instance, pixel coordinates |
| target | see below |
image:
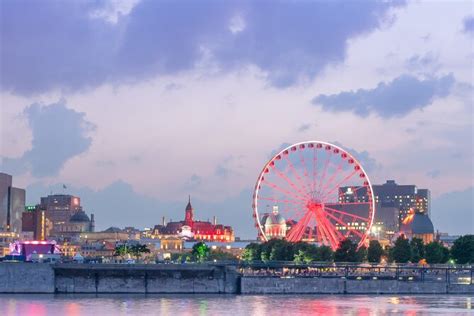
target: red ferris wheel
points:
(313, 191)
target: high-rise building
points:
(12, 204)
(34, 221)
(5, 184)
(66, 216)
(423, 201)
(391, 194)
(60, 207)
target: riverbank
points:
(226, 279)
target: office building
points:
(391, 194)
(66, 215)
(12, 204)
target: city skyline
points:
(144, 118)
(155, 210)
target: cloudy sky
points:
(136, 104)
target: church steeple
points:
(189, 214)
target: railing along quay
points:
(411, 273)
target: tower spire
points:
(189, 216)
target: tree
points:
(462, 250)
(121, 251)
(401, 252)
(282, 250)
(417, 248)
(200, 251)
(346, 252)
(324, 253)
(374, 252)
(252, 252)
(361, 254)
(277, 249)
(137, 250)
(304, 252)
(436, 253)
(220, 255)
(180, 257)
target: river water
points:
(288, 305)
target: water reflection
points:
(98, 305)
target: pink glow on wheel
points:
(313, 191)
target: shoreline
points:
(195, 279)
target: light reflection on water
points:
(287, 305)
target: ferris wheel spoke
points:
(293, 212)
(290, 183)
(315, 171)
(310, 232)
(278, 188)
(336, 187)
(333, 233)
(305, 169)
(310, 190)
(321, 231)
(280, 201)
(334, 176)
(366, 220)
(290, 210)
(333, 229)
(318, 232)
(323, 176)
(344, 224)
(332, 197)
(302, 230)
(294, 172)
(295, 231)
(354, 191)
(348, 203)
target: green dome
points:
(419, 224)
(80, 216)
(275, 219)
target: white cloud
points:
(237, 24)
(114, 9)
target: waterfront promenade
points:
(274, 278)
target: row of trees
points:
(279, 249)
(403, 251)
(414, 251)
(135, 251)
(201, 253)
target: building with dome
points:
(77, 224)
(274, 224)
(418, 225)
(192, 229)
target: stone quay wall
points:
(315, 285)
(195, 278)
(111, 278)
(26, 278)
(168, 278)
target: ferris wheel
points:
(313, 191)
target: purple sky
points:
(136, 104)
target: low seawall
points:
(26, 278)
(302, 285)
(201, 278)
(191, 278)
